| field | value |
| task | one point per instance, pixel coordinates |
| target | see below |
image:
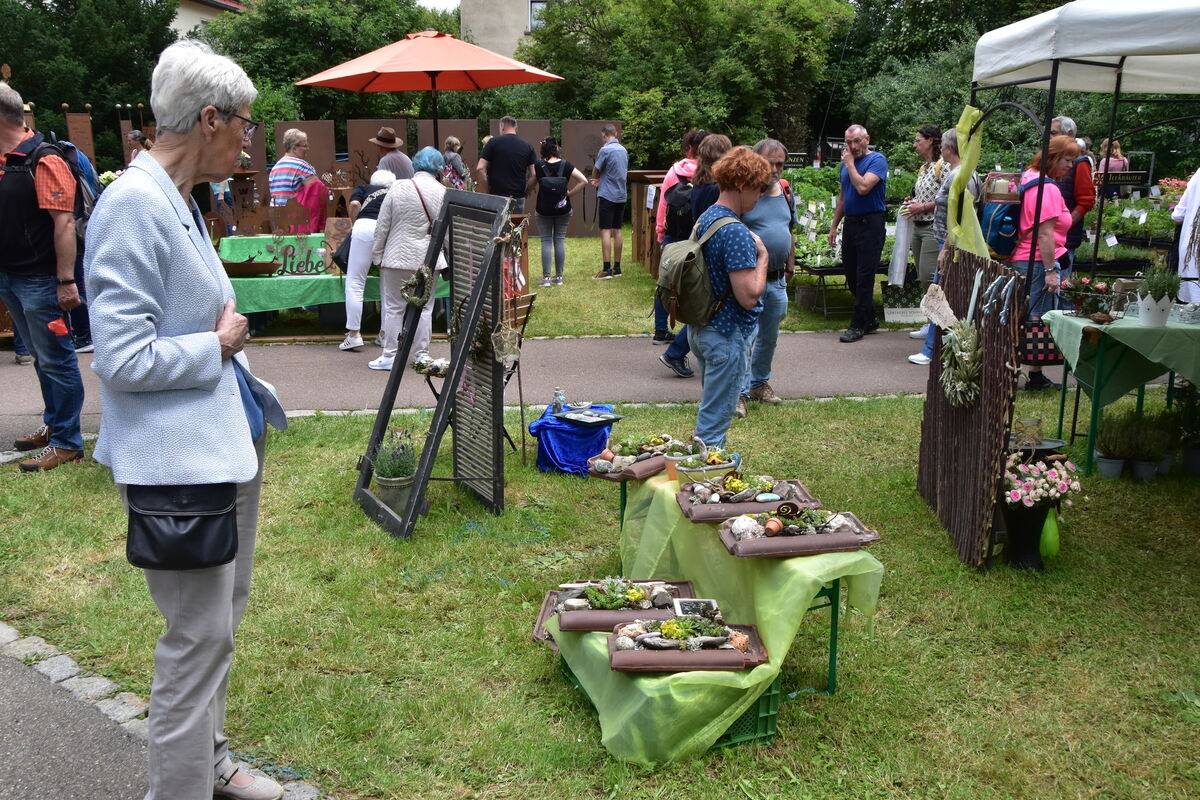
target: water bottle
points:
(560, 401)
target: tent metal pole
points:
(437, 140)
(1112, 129)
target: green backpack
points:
(684, 286)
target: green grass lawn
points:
(389, 669)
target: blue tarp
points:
(566, 446)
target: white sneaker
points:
(919, 334)
(919, 358)
(383, 363)
(351, 343)
(379, 340)
(261, 788)
(546, 281)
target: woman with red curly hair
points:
(737, 266)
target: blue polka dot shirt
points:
(731, 248)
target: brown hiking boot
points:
(740, 411)
(49, 458)
(763, 393)
(34, 441)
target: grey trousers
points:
(202, 608)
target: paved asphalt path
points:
(53, 746)
(319, 376)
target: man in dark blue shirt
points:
(861, 205)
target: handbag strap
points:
(422, 199)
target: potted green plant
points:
(1114, 444)
(1148, 447)
(395, 464)
(1156, 295)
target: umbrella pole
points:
(437, 140)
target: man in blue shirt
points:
(861, 205)
(608, 176)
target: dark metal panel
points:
(467, 131)
(364, 156)
(320, 141)
(580, 143)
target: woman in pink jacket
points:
(683, 170)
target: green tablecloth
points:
(254, 248)
(280, 292)
(658, 717)
(1133, 354)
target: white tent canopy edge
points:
(1160, 40)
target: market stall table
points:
(288, 250)
(295, 291)
(652, 718)
(1120, 357)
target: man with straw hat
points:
(391, 155)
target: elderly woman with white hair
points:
(292, 172)
(402, 236)
(365, 203)
(182, 414)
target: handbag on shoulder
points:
(182, 527)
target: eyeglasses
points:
(251, 127)
(856, 140)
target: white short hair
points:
(383, 177)
(1068, 126)
(190, 76)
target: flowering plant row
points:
(1040, 483)
(1088, 296)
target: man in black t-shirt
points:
(506, 165)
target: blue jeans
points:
(762, 352)
(722, 361)
(933, 330)
(19, 343)
(1039, 301)
(553, 231)
(33, 303)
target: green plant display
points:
(1159, 283)
(396, 456)
(687, 627)
(614, 593)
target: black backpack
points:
(552, 189)
(679, 219)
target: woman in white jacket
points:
(402, 235)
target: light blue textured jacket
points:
(171, 412)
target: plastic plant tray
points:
(805, 545)
(600, 621)
(719, 512)
(686, 660)
(637, 471)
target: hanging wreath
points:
(962, 363)
(417, 290)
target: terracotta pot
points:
(606, 454)
(774, 526)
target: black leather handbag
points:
(182, 527)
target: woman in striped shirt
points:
(291, 172)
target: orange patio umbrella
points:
(428, 60)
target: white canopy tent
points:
(1159, 41)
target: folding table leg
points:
(833, 597)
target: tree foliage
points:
(742, 67)
(84, 51)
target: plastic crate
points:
(759, 722)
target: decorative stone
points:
(624, 643)
(621, 462)
(700, 494)
(641, 637)
(659, 643)
(714, 498)
(839, 523)
(602, 465)
(702, 642)
(786, 491)
(631, 630)
(643, 456)
(791, 530)
(743, 526)
(576, 604)
(645, 603)
(661, 597)
(739, 641)
(743, 496)
(570, 594)
(767, 497)
(8, 634)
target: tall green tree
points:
(279, 42)
(742, 67)
(85, 51)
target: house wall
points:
(497, 25)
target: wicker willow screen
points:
(962, 449)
